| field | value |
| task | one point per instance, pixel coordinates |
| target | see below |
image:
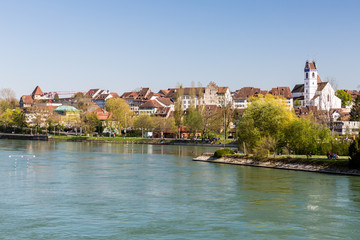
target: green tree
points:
(297, 103)
(265, 117)
(344, 96)
(19, 118)
(120, 110)
(7, 118)
(354, 152)
(144, 122)
(193, 120)
(91, 121)
(179, 112)
(355, 110)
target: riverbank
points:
(135, 140)
(23, 136)
(311, 165)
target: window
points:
(313, 75)
(307, 75)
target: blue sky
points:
(123, 45)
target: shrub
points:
(354, 152)
(222, 152)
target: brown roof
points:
(162, 112)
(246, 92)
(150, 104)
(102, 96)
(165, 101)
(102, 114)
(92, 92)
(37, 91)
(318, 79)
(163, 92)
(114, 94)
(321, 86)
(353, 93)
(27, 99)
(222, 89)
(298, 88)
(281, 91)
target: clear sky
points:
(123, 45)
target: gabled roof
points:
(246, 92)
(318, 79)
(150, 104)
(37, 91)
(222, 90)
(162, 112)
(102, 96)
(321, 86)
(27, 99)
(91, 92)
(299, 88)
(102, 114)
(115, 95)
(165, 101)
(281, 91)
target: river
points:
(71, 190)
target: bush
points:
(354, 152)
(222, 152)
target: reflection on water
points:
(129, 191)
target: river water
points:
(114, 191)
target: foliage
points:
(178, 112)
(90, 121)
(120, 110)
(193, 119)
(144, 121)
(164, 125)
(7, 99)
(344, 96)
(297, 103)
(222, 152)
(355, 110)
(13, 118)
(354, 152)
(265, 117)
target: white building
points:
(314, 92)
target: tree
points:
(120, 110)
(344, 96)
(6, 118)
(7, 99)
(144, 121)
(178, 112)
(355, 110)
(297, 103)
(164, 125)
(265, 117)
(354, 152)
(193, 120)
(91, 121)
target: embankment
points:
(286, 164)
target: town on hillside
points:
(312, 96)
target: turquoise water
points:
(114, 191)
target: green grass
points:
(117, 139)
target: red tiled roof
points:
(222, 89)
(246, 92)
(37, 91)
(114, 94)
(150, 104)
(102, 114)
(27, 99)
(165, 101)
(281, 91)
(318, 79)
(162, 112)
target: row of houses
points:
(311, 95)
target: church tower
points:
(310, 81)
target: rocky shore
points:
(278, 164)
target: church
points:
(315, 92)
